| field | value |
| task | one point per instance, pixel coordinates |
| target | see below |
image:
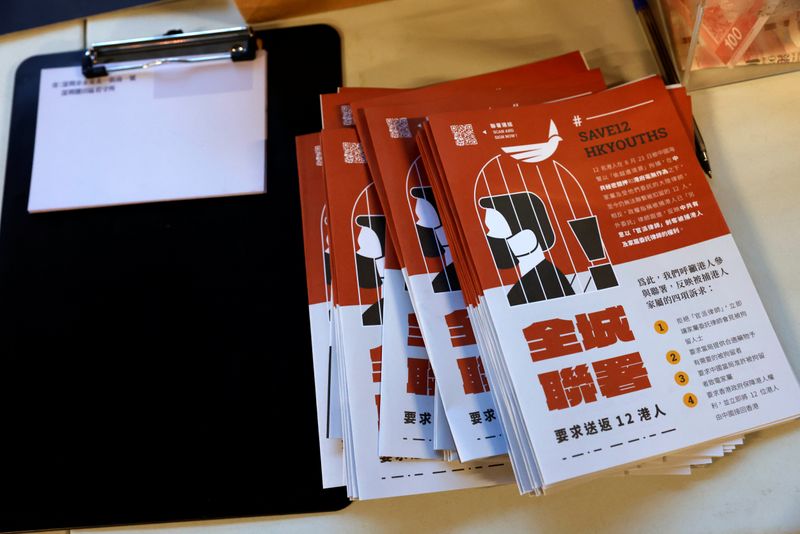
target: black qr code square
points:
(398, 128)
(353, 153)
(463, 134)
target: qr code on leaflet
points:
(398, 127)
(347, 115)
(463, 134)
(353, 153)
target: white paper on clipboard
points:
(175, 132)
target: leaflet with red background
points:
(357, 228)
(617, 296)
(407, 407)
(432, 165)
(407, 428)
(440, 311)
(318, 278)
(407, 386)
(567, 63)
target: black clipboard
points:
(155, 362)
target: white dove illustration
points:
(536, 152)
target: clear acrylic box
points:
(715, 42)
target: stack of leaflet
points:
(524, 275)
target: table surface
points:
(751, 130)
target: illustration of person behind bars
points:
(539, 224)
(371, 241)
(519, 233)
(432, 240)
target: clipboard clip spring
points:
(235, 44)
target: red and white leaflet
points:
(359, 244)
(435, 289)
(407, 381)
(464, 266)
(318, 278)
(567, 63)
(621, 318)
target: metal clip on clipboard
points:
(235, 44)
